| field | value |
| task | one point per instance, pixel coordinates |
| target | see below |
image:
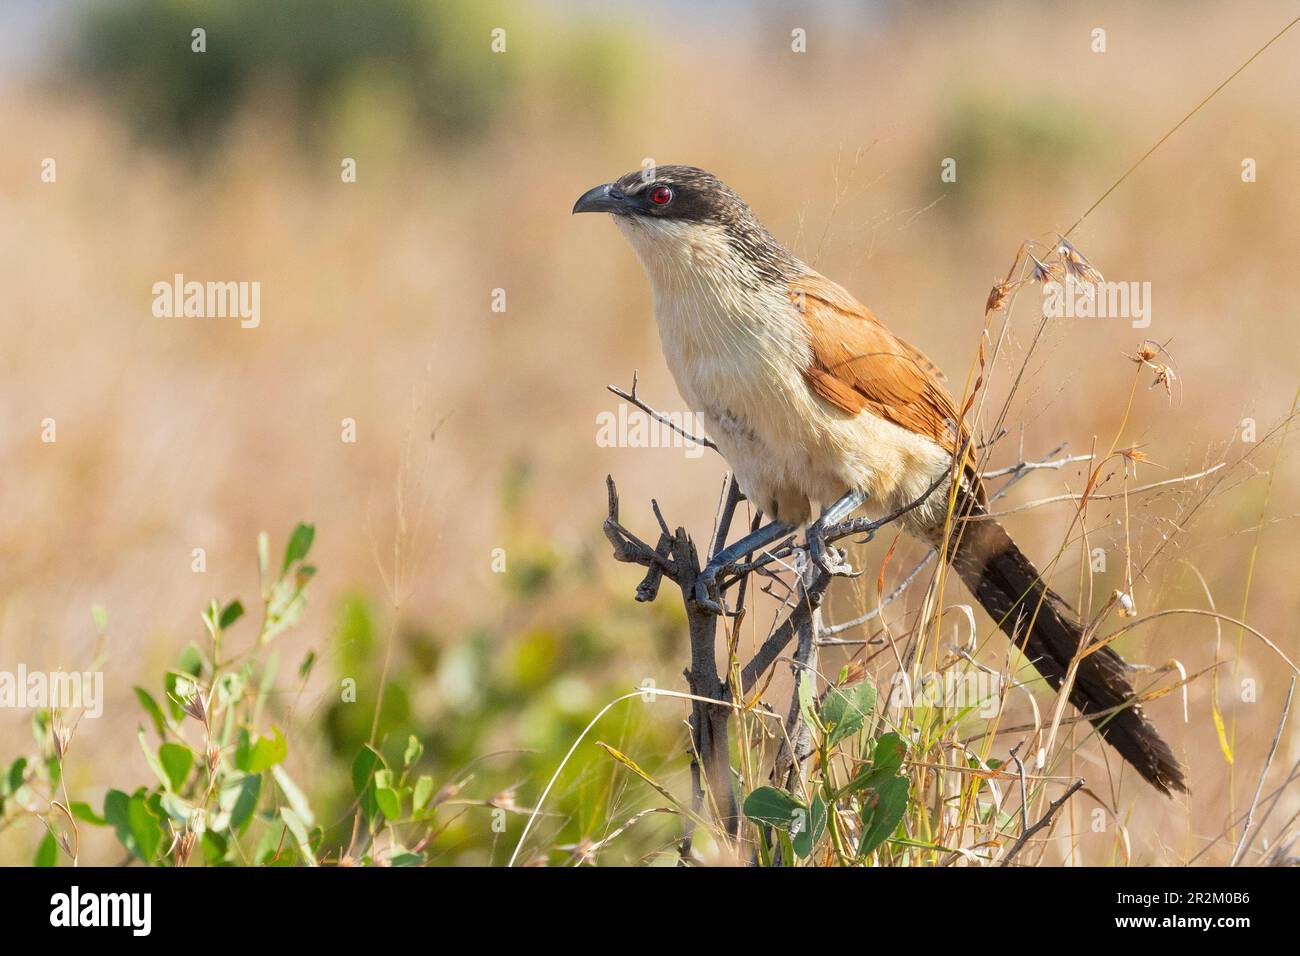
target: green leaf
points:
(406, 858)
(882, 811)
(53, 769)
(304, 669)
(423, 793)
(299, 830)
(14, 778)
(846, 709)
(238, 798)
(807, 837)
(215, 847)
(390, 804)
(153, 710)
(298, 546)
(191, 660)
(173, 687)
(414, 750)
(786, 845)
(177, 761)
(273, 849)
(82, 811)
(297, 799)
(386, 794)
(254, 755)
(231, 613)
(115, 806)
(363, 769)
(807, 701)
(130, 818)
(100, 616)
(885, 762)
(152, 759)
(889, 753)
(47, 852)
(180, 811)
(772, 807)
(145, 828)
(283, 609)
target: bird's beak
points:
(606, 198)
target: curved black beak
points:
(605, 198)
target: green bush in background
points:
(138, 53)
(336, 63)
(470, 729)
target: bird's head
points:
(671, 212)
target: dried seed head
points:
(213, 756)
(1145, 353)
(1078, 267)
(1132, 456)
(998, 296)
(1164, 376)
(196, 706)
(61, 736)
(183, 846)
(1041, 272)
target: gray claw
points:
(830, 559)
(707, 594)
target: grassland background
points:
(175, 434)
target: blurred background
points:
(476, 428)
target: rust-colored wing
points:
(858, 364)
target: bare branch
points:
(628, 548)
(1022, 466)
(884, 603)
(1042, 822)
(658, 416)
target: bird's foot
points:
(826, 556)
(708, 589)
(708, 593)
(820, 552)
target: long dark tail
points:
(1009, 587)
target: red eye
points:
(661, 195)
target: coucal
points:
(811, 399)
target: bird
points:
(812, 401)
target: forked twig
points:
(1043, 821)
